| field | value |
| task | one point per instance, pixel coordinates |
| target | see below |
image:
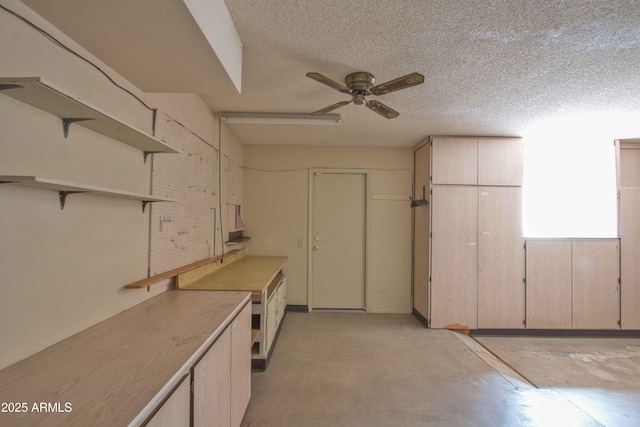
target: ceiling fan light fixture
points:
(280, 119)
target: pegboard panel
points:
(184, 231)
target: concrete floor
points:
(347, 369)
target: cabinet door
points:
(272, 321)
(454, 256)
(212, 385)
(596, 294)
(421, 235)
(630, 255)
(500, 161)
(454, 161)
(548, 285)
(630, 167)
(500, 258)
(240, 364)
(176, 410)
(282, 300)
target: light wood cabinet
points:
(176, 410)
(477, 161)
(573, 284)
(222, 378)
(596, 295)
(500, 258)
(548, 285)
(628, 168)
(421, 216)
(500, 162)
(265, 278)
(454, 161)
(630, 256)
(476, 243)
(240, 365)
(454, 249)
(137, 367)
(211, 385)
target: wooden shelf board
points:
(145, 283)
(46, 96)
(238, 240)
(66, 186)
(254, 335)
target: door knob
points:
(316, 247)
(316, 238)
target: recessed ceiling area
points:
(491, 68)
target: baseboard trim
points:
(298, 308)
(421, 318)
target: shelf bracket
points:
(144, 204)
(5, 87)
(66, 123)
(63, 197)
(146, 153)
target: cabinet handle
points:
(471, 244)
(486, 233)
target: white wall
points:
(64, 270)
(276, 215)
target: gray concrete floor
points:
(347, 369)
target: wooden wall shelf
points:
(46, 96)
(65, 188)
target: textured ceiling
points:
(496, 68)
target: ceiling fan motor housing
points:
(360, 82)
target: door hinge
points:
(619, 323)
(525, 246)
(524, 280)
(428, 323)
(429, 279)
(524, 322)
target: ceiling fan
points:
(360, 84)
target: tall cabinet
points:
(628, 167)
(476, 245)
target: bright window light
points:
(569, 187)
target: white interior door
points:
(338, 240)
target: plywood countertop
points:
(249, 273)
(113, 371)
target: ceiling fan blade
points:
(382, 109)
(327, 81)
(330, 108)
(404, 82)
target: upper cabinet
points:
(500, 162)
(628, 156)
(454, 161)
(477, 161)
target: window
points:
(569, 187)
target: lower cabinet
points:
(212, 385)
(276, 307)
(176, 410)
(573, 284)
(220, 380)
